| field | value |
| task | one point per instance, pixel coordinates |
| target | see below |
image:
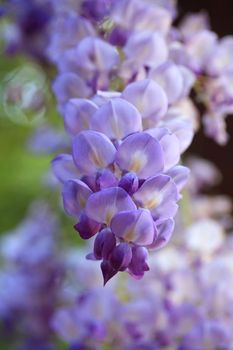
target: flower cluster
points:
(27, 31)
(125, 73)
(30, 280)
(164, 311)
(128, 315)
(122, 182)
(49, 290)
(210, 58)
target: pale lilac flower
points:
(142, 154)
(220, 60)
(116, 119)
(67, 86)
(194, 23)
(102, 206)
(77, 115)
(138, 16)
(92, 151)
(158, 194)
(149, 98)
(146, 49)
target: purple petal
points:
(135, 226)
(181, 127)
(77, 115)
(92, 151)
(117, 119)
(142, 154)
(106, 179)
(69, 85)
(170, 145)
(169, 77)
(105, 242)
(129, 182)
(63, 168)
(108, 271)
(158, 194)
(75, 194)
(138, 264)
(146, 48)
(94, 54)
(179, 175)
(141, 16)
(103, 205)
(121, 257)
(149, 98)
(87, 227)
(165, 229)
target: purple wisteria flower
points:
(141, 315)
(124, 141)
(123, 90)
(121, 191)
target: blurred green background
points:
(21, 171)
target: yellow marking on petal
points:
(152, 202)
(129, 235)
(82, 201)
(96, 159)
(108, 217)
(138, 161)
(115, 128)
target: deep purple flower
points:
(138, 265)
(104, 244)
(129, 182)
(87, 227)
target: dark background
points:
(221, 18)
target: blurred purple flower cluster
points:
(30, 279)
(183, 302)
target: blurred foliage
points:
(21, 174)
(21, 170)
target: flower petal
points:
(158, 194)
(104, 244)
(87, 227)
(135, 226)
(117, 119)
(77, 115)
(63, 168)
(103, 205)
(138, 265)
(92, 151)
(121, 257)
(75, 194)
(165, 229)
(170, 145)
(149, 98)
(142, 154)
